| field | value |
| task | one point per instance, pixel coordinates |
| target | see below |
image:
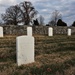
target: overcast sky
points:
(46, 7)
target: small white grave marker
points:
(50, 31)
(69, 32)
(1, 31)
(25, 49)
(29, 31)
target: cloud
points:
(46, 7)
(7, 2)
(66, 7)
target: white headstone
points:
(29, 31)
(50, 31)
(69, 32)
(1, 31)
(25, 49)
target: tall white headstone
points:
(50, 31)
(29, 31)
(25, 50)
(69, 32)
(1, 31)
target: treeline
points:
(24, 13)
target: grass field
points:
(53, 56)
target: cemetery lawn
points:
(53, 56)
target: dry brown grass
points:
(55, 54)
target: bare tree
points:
(52, 23)
(12, 15)
(41, 20)
(22, 13)
(28, 12)
(55, 16)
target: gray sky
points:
(46, 7)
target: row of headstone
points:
(25, 46)
(50, 31)
(29, 31)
